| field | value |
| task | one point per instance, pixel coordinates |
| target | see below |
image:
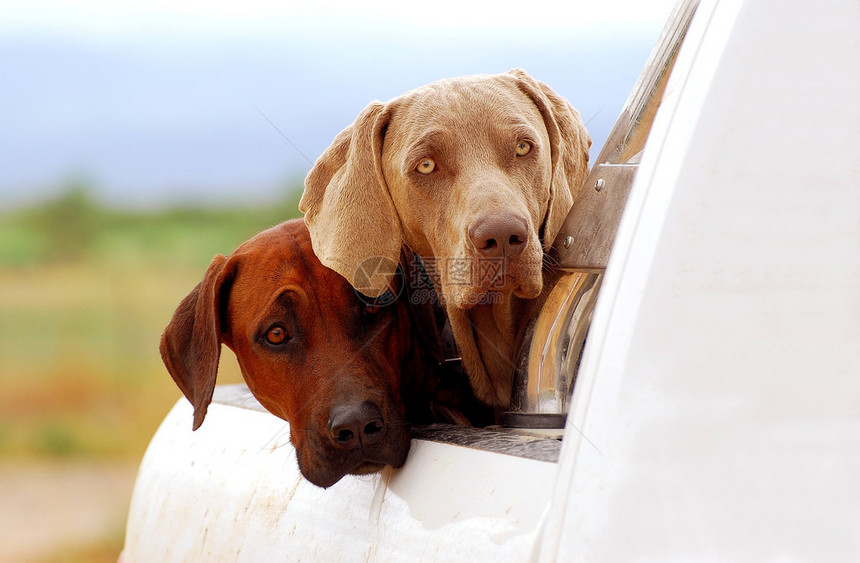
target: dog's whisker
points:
(550, 263)
(549, 260)
(285, 429)
(281, 133)
(246, 399)
(590, 119)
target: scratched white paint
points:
(233, 491)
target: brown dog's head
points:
(476, 174)
(311, 351)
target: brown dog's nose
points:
(356, 425)
(499, 235)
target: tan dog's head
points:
(475, 174)
(311, 351)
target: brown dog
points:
(476, 175)
(346, 373)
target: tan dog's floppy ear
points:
(354, 227)
(191, 343)
(570, 143)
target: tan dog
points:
(346, 373)
(476, 175)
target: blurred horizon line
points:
(80, 182)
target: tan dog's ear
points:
(569, 142)
(191, 343)
(348, 208)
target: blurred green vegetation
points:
(85, 292)
(74, 229)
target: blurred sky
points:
(156, 102)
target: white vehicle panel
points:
(720, 388)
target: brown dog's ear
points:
(348, 208)
(569, 142)
(191, 343)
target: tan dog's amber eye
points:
(276, 335)
(523, 148)
(426, 166)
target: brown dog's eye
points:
(523, 148)
(277, 335)
(426, 166)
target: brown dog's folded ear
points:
(348, 208)
(569, 141)
(191, 343)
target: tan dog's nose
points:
(499, 235)
(356, 425)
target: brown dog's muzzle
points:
(359, 436)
